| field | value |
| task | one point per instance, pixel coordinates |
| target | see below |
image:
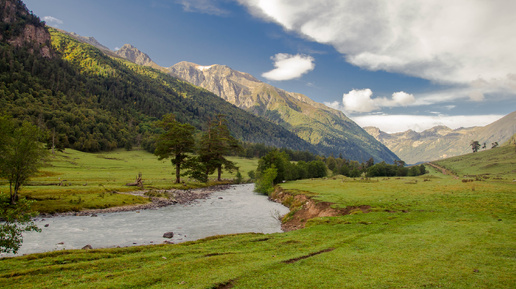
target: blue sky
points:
(397, 65)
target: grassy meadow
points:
(74, 180)
(431, 231)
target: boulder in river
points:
(168, 235)
(87, 247)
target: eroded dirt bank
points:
(303, 208)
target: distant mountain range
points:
(327, 129)
(441, 142)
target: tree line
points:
(276, 167)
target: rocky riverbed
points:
(158, 199)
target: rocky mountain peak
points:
(132, 54)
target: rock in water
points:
(168, 235)
(87, 247)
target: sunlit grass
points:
(73, 180)
(431, 231)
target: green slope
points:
(96, 102)
(328, 129)
(497, 163)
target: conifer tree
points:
(176, 142)
(216, 143)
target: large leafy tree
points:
(279, 160)
(216, 143)
(16, 219)
(175, 142)
(21, 153)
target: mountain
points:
(91, 100)
(20, 28)
(326, 128)
(441, 142)
(132, 54)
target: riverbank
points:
(157, 198)
(235, 209)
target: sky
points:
(396, 65)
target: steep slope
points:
(442, 142)
(132, 54)
(93, 102)
(328, 129)
(20, 28)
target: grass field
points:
(494, 164)
(432, 231)
(74, 180)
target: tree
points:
(176, 142)
(21, 154)
(279, 160)
(265, 181)
(16, 219)
(475, 145)
(216, 143)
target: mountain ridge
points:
(91, 100)
(329, 129)
(441, 142)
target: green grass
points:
(431, 231)
(88, 180)
(498, 163)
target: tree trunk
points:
(219, 171)
(178, 173)
(13, 194)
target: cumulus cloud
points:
(361, 101)
(450, 42)
(52, 20)
(399, 123)
(289, 66)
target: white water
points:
(235, 210)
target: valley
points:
(349, 211)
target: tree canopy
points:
(176, 142)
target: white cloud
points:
(52, 20)
(399, 123)
(203, 6)
(289, 66)
(361, 101)
(452, 42)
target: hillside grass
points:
(497, 164)
(431, 231)
(74, 180)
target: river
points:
(234, 210)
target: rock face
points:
(24, 29)
(329, 129)
(441, 142)
(132, 54)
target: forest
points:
(92, 102)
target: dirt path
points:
(443, 170)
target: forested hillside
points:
(94, 102)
